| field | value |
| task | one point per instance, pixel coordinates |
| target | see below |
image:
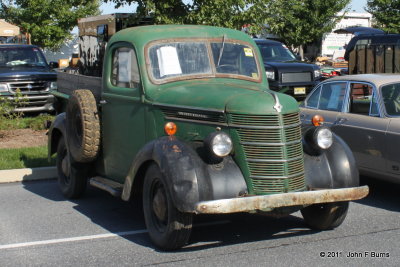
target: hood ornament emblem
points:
(278, 106)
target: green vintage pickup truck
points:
(183, 121)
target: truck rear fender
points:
(334, 167)
(56, 131)
(190, 179)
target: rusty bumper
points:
(269, 202)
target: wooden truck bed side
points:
(67, 83)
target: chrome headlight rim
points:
(317, 73)
(323, 138)
(219, 144)
(4, 88)
(52, 85)
(270, 74)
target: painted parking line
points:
(90, 237)
(71, 239)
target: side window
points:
(125, 70)
(332, 96)
(362, 100)
(391, 98)
(312, 101)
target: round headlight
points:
(323, 137)
(220, 144)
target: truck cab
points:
(183, 121)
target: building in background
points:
(332, 42)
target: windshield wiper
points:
(221, 50)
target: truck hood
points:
(25, 73)
(290, 66)
(230, 98)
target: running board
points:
(108, 185)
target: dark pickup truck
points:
(24, 69)
(285, 73)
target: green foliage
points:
(298, 22)
(30, 157)
(34, 122)
(48, 21)
(386, 14)
(7, 106)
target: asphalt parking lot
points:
(40, 228)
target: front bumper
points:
(270, 202)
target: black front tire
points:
(325, 216)
(72, 176)
(168, 228)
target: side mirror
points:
(53, 64)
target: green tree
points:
(224, 13)
(386, 14)
(48, 21)
(298, 22)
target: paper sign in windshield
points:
(168, 61)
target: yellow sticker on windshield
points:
(254, 75)
(248, 52)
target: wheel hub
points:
(65, 165)
(160, 204)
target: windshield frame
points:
(214, 73)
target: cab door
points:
(123, 129)
(363, 128)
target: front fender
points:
(56, 131)
(331, 168)
(190, 180)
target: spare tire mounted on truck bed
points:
(83, 126)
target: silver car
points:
(364, 110)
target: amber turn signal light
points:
(170, 128)
(317, 120)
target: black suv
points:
(285, 72)
(24, 68)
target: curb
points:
(22, 175)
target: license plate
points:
(299, 90)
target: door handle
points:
(340, 121)
(102, 102)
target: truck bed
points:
(68, 82)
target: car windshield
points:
(391, 98)
(188, 59)
(21, 56)
(275, 52)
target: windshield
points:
(183, 60)
(391, 98)
(275, 52)
(21, 56)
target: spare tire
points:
(83, 126)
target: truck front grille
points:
(293, 77)
(28, 87)
(273, 151)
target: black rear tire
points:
(83, 126)
(325, 216)
(72, 176)
(168, 228)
